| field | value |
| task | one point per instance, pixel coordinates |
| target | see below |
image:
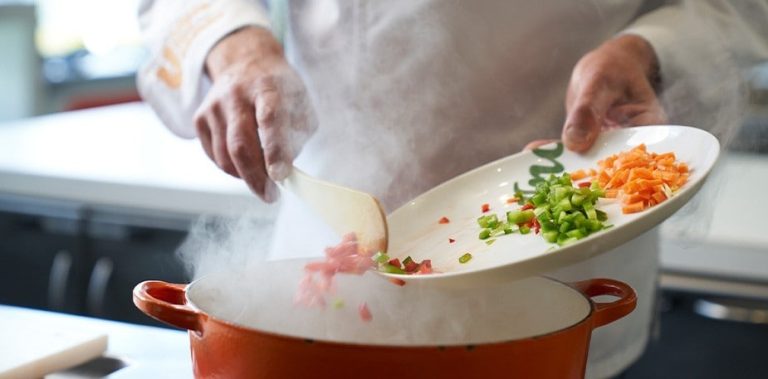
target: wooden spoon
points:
(344, 209)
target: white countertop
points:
(117, 156)
(149, 352)
(123, 156)
(727, 236)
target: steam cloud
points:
(716, 103)
(240, 247)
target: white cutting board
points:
(31, 349)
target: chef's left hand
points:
(611, 86)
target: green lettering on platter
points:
(537, 171)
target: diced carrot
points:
(603, 178)
(612, 193)
(618, 180)
(633, 207)
(640, 173)
(640, 177)
(633, 163)
(649, 183)
(637, 198)
(578, 175)
(632, 187)
(608, 162)
(666, 156)
(669, 176)
(669, 162)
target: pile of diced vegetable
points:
(641, 179)
(561, 212)
(407, 267)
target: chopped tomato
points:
(536, 226)
(411, 266)
(451, 240)
(584, 184)
(425, 267)
(486, 207)
(527, 206)
(395, 262)
(443, 220)
(365, 313)
(346, 257)
(397, 281)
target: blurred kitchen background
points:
(87, 210)
(57, 57)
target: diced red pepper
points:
(395, 262)
(365, 313)
(536, 225)
(411, 267)
(451, 240)
(443, 220)
(486, 207)
(527, 206)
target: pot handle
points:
(606, 313)
(167, 302)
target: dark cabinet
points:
(84, 262)
(27, 259)
(119, 265)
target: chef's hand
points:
(612, 86)
(257, 114)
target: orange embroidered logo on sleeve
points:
(185, 30)
(170, 70)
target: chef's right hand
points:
(257, 114)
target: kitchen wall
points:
(20, 79)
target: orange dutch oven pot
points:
(551, 342)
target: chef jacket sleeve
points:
(704, 48)
(178, 35)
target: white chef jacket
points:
(410, 93)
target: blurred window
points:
(88, 39)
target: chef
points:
(394, 97)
